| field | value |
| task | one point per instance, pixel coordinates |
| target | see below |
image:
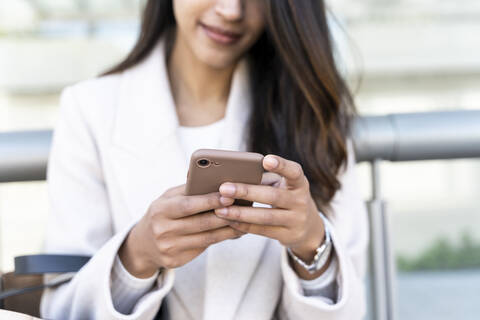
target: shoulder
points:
(94, 100)
(92, 92)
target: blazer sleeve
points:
(80, 222)
(349, 231)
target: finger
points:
(291, 170)
(207, 238)
(276, 197)
(184, 206)
(255, 215)
(175, 191)
(270, 178)
(199, 223)
(273, 232)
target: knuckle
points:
(170, 263)
(260, 229)
(149, 218)
(175, 263)
(156, 207)
(268, 217)
(161, 231)
(168, 192)
(245, 227)
(236, 212)
(307, 182)
(238, 226)
(297, 171)
(243, 190)
(206, 222)
(186, 205)
(210, 239)
(157, 230)
(301, 219)
(167, 248)
(213, 201)
(237, 233)
(302, 200)
(274, 196)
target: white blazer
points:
(115, 149)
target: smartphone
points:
(209, 168)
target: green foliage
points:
(441, 255)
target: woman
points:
(244, 75)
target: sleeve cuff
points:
(127, 289)
(325, 285)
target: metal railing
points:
(405, 137)
(396, 137)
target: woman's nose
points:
(230, 9)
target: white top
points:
(127, 289)
(200, 137)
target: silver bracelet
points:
(322, 253)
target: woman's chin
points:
(216, 59)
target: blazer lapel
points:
(145, 150)
(147, 159)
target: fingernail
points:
(222, 211)
(271, 161)
(227, 188)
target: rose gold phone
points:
(209, 168)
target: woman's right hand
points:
(174, 231)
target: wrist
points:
(311, 263)
(134, 260)
(307, 249)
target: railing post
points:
(381, 255)
(1, 238)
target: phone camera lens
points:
(203, 163)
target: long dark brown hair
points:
(302, 107)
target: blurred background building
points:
(399, 55)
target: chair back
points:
(27, 303)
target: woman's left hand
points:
(293, 219)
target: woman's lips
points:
(220, 36)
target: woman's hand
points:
(175, 229)
(293, 219)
